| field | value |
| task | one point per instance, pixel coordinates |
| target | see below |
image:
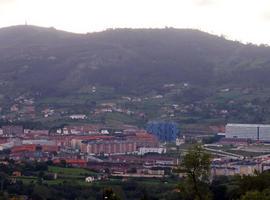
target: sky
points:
(242, 20)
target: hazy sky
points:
(244, 20)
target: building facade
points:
(164, 131)
(248, 131)
(12, 130)
(109, 147)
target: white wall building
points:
(180, 140)
(89, 179)
(7, 145)
(144, 150)
(248, 131)
(39, 142)
(78, 116)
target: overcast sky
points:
(244, 20)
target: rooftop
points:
(249, 125)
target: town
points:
(134, 100)
(129, 151)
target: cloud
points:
(266, 16)
(3, 2)
(6, 3)
(204, 2)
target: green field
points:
(70, 171)
(71, 176)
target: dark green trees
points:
(110, 195)
(196, 165)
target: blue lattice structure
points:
(164, 131)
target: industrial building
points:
(248, 131)
(164, 131)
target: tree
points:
(63, 163)
(3, 179)
(110, 195)
(255, 195)
(196, 165)
(41, 192)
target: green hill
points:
(45, 62)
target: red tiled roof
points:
(71, 161)
(28, 147)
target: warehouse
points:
(248, 131)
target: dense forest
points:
(52, 62)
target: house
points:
(78, 116)
(89, 179)
(16, 173)
(180, 140)
(14, 108)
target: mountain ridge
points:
(120, 58)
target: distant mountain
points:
(53, 62)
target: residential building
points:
(12, 130)
(109, 147)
